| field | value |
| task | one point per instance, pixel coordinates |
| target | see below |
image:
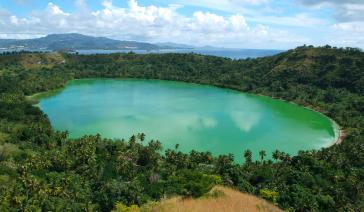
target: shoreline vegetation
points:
(42, 169)
(339, 132)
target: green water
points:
(197, 117)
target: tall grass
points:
(226, 200)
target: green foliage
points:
(120, 207)
(191, 183)
(41, 169)
(268, 195)
(8, 150)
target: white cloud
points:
(146, 23)
(350, 34)
(333, 2)
(53, 9)
(167, 24)
(231, 6)
(349, 16)
(350, 12)
(14, 20)
(248, 1)
(245, 121)
(212, 23)
(260, 11)
(297, 20)
(238, 22)
(345, 10)
(208, 122)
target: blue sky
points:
(279, 24)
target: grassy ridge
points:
(227, 200)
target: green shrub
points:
(120, 207)
(268, 195)
(191, 184)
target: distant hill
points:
(175, 45)
(73, 41)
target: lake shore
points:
(338, 129)
(341, 137)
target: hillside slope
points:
(229, 201)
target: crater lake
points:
(197, 117)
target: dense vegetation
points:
(41, 169)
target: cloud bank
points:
(152, 23)
(145, 23)
(349, 17)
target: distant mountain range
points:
(88, 44)
(73, 41)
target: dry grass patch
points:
(230, 200)
(31, 61)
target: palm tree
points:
(262, 154)
(276, 155)
(132, 140)
(141, 137)
(248, 156)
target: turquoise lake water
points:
(202, 118)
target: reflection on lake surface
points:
(196, 117)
